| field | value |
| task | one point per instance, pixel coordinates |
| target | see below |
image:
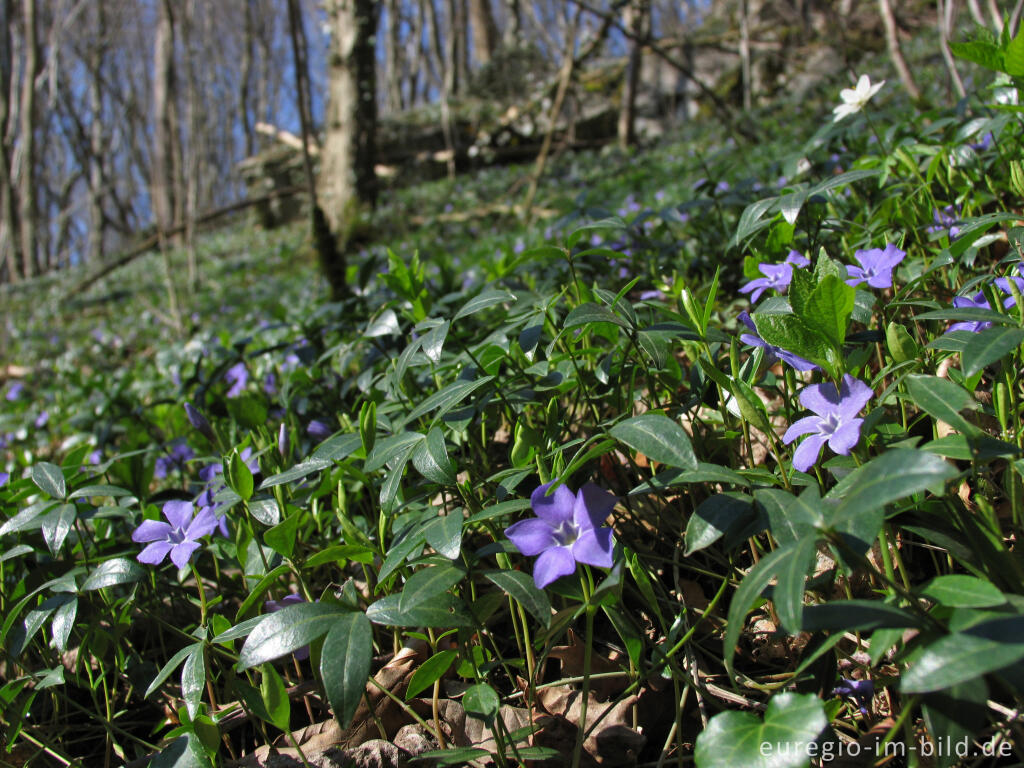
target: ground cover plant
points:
(721, 464)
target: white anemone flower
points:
(854, 99)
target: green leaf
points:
(521, 588)
(962, 656)
(943, 399)
(56, 526)
(446, 610)
(120, 570)
(345, 663)
(337, 447)
(705, 473)
(445, 534)
(989, 345)
(456, 755)
(63, 623)
(659, 438)
(385, 324)
(749, 590)
(240, 477)
(286, 631)
(430, 458)
(49, 478)
(169, 667)
(791, 722)
(980, 52)
(265, 510)
(829, 308)
(281, 538)
(482, 702)
(1013, 56)
(240, 630)
(716, 516)
(261, 587)
(856, 616)
(428, 584)
(960, 591)
(88, 491)
(482, 301)
(886, 478)
(788, 595)
(186, 751)
(792, 334)
(750, 220)
(791, 518)
(448, 397)
(590, 313)
(299, 471)
(433, 341)
(386, 451)
(275, 698)
(429, 672)
(900, 343)
(193, 679)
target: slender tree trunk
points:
(447, 77)
(27, 171)
(248, 45)
(393, 76)
(636, 21)
(162, 171)
(347, 161)
(745, 68)
(512, 36)
(485, 32)
(945, 19)
(97, 219)
(895, 52)
(9, 270)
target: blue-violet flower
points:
(178, 537)
(876, 266)
(771, 350)
(835, 421)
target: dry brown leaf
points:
(612, 744)
(570, 657)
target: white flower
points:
(854, 99)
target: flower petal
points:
(555, 508)
(844, 438)
(155, 553)
(807, 452)
(806, 425)
(178, 513)
(594, 548)
(151, 530)
(182, 552)
(532, 536)
(592, 507)
(204, 524)
(823, 399)
(553, 564)
(853, 397)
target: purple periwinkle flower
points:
(178, 537)
(237, 376)
(197, 420)
(876, 266)
(14, 391)
(948, 220)
(771, 350)
(318, 430)
(977, 301)
(835, 421)
(1003, 284)
(4, 477)
(776, 276)
(175, 459)
(860, 691)
(567, 530)
(797, 259)
(42, 419)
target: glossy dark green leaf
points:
(747, 592)
(704, 473)
(275, 698)
(590, 313)
(120, 570)
(943, 399)
(445, 611)
(429, 672)
(715, 517)
(169, 668)
(791, 333)
(751, 220)
(963, 656)
(56, 525)
(88, 491)
(481, 701)
(193, 679)
(428, 584)
(791, 518)
(345, 663)
(240, 477)
(829, 308)
(430, 457)
(962, 591)
(488, 298)
(26, 519)
(788, 595)
(450, 396)
(521, 588)
(286, 631)
(265, 511)
(791, 722)
(49, 478)
(336, 448)
(659, 438)
(990, 345)
(298, 472)
(240, 630)
(445, 534)
(64, 622)
(391, 449)
(281, 538)
(856, 616)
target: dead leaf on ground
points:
(612, 744)
(571, 657)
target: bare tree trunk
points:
(455, 42)
(97, 219)
(393, 76)
(447, 77)
(8, 215)
(945, 20)
(895, 52)
(248, 44)
(26, 171)
(347, 160)
(485, 32)
(162, 171)
(512, 36)
(745, 70)
(636, 21)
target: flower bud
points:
(282, 440)
(197, 420)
